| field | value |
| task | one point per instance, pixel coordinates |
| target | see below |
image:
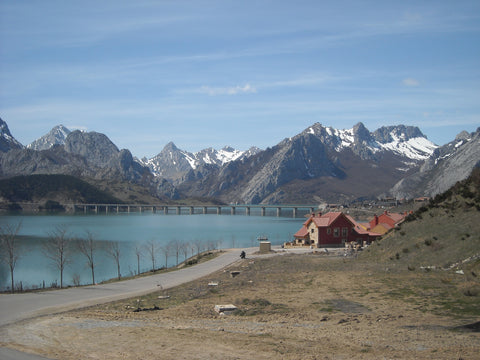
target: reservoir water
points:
(132, 232)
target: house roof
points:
(302, 233)
(394, 216)
(360, 229)
(382, 228)
(323, 220)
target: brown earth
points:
(289, 307)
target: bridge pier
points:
(165, 210)
(232, 210)
(247, 210)
(263, 211)
(205, 210)
(295, 212)
(219, 210)
(279, 211)
(192, 210)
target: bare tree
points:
(113, 250)
(184, 248)
(57, 249)
(10, 252)
(138, 253)
(199, 246)
(152, 250)
(176, 246)
(87, 247)
(166, 251)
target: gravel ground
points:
(289, 307)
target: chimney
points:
(375, 218)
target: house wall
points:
(339, 232)
(313, 233)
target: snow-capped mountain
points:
(406, 141)
(7, 141)
(448, 164)
(174, 164)
(56, 136)
(319, 164)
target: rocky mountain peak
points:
(361, 133)
(7, 141)
(464, 135)
(94, 147)
(170, 147)
(56, 136)
(388, 134)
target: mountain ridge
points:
(320, 163)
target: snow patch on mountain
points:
(228, 154)
(173, 163)
(56, 136)
(406, 141)
(418, 148)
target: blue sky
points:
(240, 73)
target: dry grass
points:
(290, 307)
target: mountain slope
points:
(176, 165)
(60, 188)
(7, 141)
(448, 164)
(85, 155)
(56, 136)
(319, 164)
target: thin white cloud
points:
(76, 127)
(232, 90)
(411, 82)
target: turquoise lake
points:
(132, 231)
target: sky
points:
(244, 73)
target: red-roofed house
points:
(333, 229)
(385, 222)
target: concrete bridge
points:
(196, 209)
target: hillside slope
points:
(17, 191)
(444, 234)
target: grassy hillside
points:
(444, 234)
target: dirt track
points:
(290, 307)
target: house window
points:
(329, 231)
(312, 231)
(344, 231)
(336, 232)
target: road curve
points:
(17, 307)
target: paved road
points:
(9, 354)
(16, 307)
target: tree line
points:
(60, 248)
